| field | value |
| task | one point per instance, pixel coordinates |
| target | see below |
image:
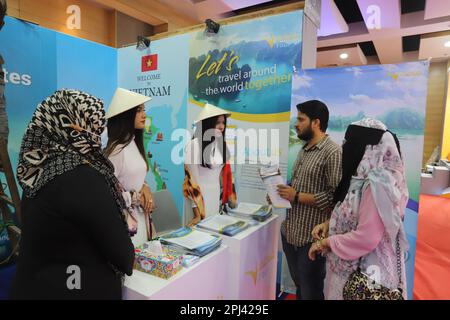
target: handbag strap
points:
(399, 263)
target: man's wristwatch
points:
(297, 200)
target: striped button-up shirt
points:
(317, 171)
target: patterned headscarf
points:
(63, 134)
(383, 167)
(357, 138)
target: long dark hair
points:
(202, 128)
(357, 138)
(3, 9)
(121, 131)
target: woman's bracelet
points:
(319, 243)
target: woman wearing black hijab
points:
(75, 243)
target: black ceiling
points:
(413, 5)
(411, 43)
(368, 48)
(349, 10)
(351, 13)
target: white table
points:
(252, 263)
(205, 280)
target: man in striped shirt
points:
(315, 176)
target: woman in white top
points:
(208, 180)
(125, 149)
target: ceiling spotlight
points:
(343, 56)
(211, 26)
(447, 44)
(142, 43)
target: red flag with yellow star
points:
(149, 63)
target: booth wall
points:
(39, 61)
(434, 122)
(161, 73)
(446, 131)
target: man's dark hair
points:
(3, 8)
(315, 109)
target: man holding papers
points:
(315, 175)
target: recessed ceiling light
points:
(447, 44)
(343, 56)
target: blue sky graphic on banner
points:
(29, 53)
(39, 61)
(395, 94)
(160, 72)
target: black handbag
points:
(360, 286)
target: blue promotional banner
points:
(395, 94)
(247, 69)
(161, 73)
(39, 61)
(29, 52)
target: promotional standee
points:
(247, 70)
(56, 61)
(162, 73)
(251, 69)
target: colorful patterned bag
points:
(360, 286)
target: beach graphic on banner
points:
(247, 69)
(161, 73)
(395, 94)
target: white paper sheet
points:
(192, 240)
(272, 178)
(247, 208)
(217, 223)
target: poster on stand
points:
(247, 69)
(161, 72)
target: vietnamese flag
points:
(149, 63)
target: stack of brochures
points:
(224, 224)
(251, 211)
(188, 241)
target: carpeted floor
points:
(432, 264)
(6, 276)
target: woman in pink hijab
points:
(366, 229)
